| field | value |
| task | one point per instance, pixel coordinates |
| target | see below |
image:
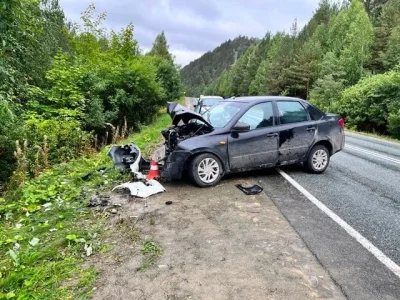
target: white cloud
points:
(184, 57)
(195, 27)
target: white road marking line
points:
(391, 265)
(397, 161)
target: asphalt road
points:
(362, 186)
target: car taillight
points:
(341, 122)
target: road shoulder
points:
(217, 243)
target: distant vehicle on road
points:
(249, 133)
(205, 103)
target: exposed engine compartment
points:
(175, 134)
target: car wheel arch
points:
(326, 143)
(197, 153)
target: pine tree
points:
(351, 38)
(302, 72)
(258, 86)
(238, 75)
(387, 22)
(391, 58)
(328, 87)
(160, 48)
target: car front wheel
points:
(318, 159)
(205, 170)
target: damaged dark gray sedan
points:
(249, 133)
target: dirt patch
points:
(216, 243)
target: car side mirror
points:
(240, 127)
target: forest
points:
(68, 89)
(198, 76)
(346, 59)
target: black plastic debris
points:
(252, 190)
(168, 202)
(96, 201)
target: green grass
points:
(151, 251)
(374, 135)
(45, 226)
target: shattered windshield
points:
(220, 114)
(210, 101)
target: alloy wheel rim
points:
(208, 170)
(320, 159)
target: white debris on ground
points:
(142, 189)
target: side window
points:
(291, 112)
(259, 116)
(314, 112)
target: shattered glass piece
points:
(34, 242)
(252, 190)
(88, 249)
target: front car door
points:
(258, 147)
(296, 131)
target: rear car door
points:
(258, 147)
(296, 131)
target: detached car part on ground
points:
(247, 133)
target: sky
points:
(193, 27)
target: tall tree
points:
(239, 75)
(260, 84)
(372, 6)
(330, 84)
(351, 37)
(387, 23)
(302, 72)
(391, 58)
(160, 48)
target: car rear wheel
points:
(205, 170)
(318, 159)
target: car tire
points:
(317, 160)
(205, 170)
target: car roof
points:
(259, 99)
(207, 97)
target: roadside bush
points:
(394, 123)
(10, 130)
(96, 88)
(64, 137)
(373, 104)
(129, 90)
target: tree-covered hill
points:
(346, 59)
(201, 72)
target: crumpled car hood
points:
(180, 113)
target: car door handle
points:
(310, 128)
(272, 135)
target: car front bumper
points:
(175, 164)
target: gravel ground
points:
(217, 244)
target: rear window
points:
(291, 112)
(314, 112)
